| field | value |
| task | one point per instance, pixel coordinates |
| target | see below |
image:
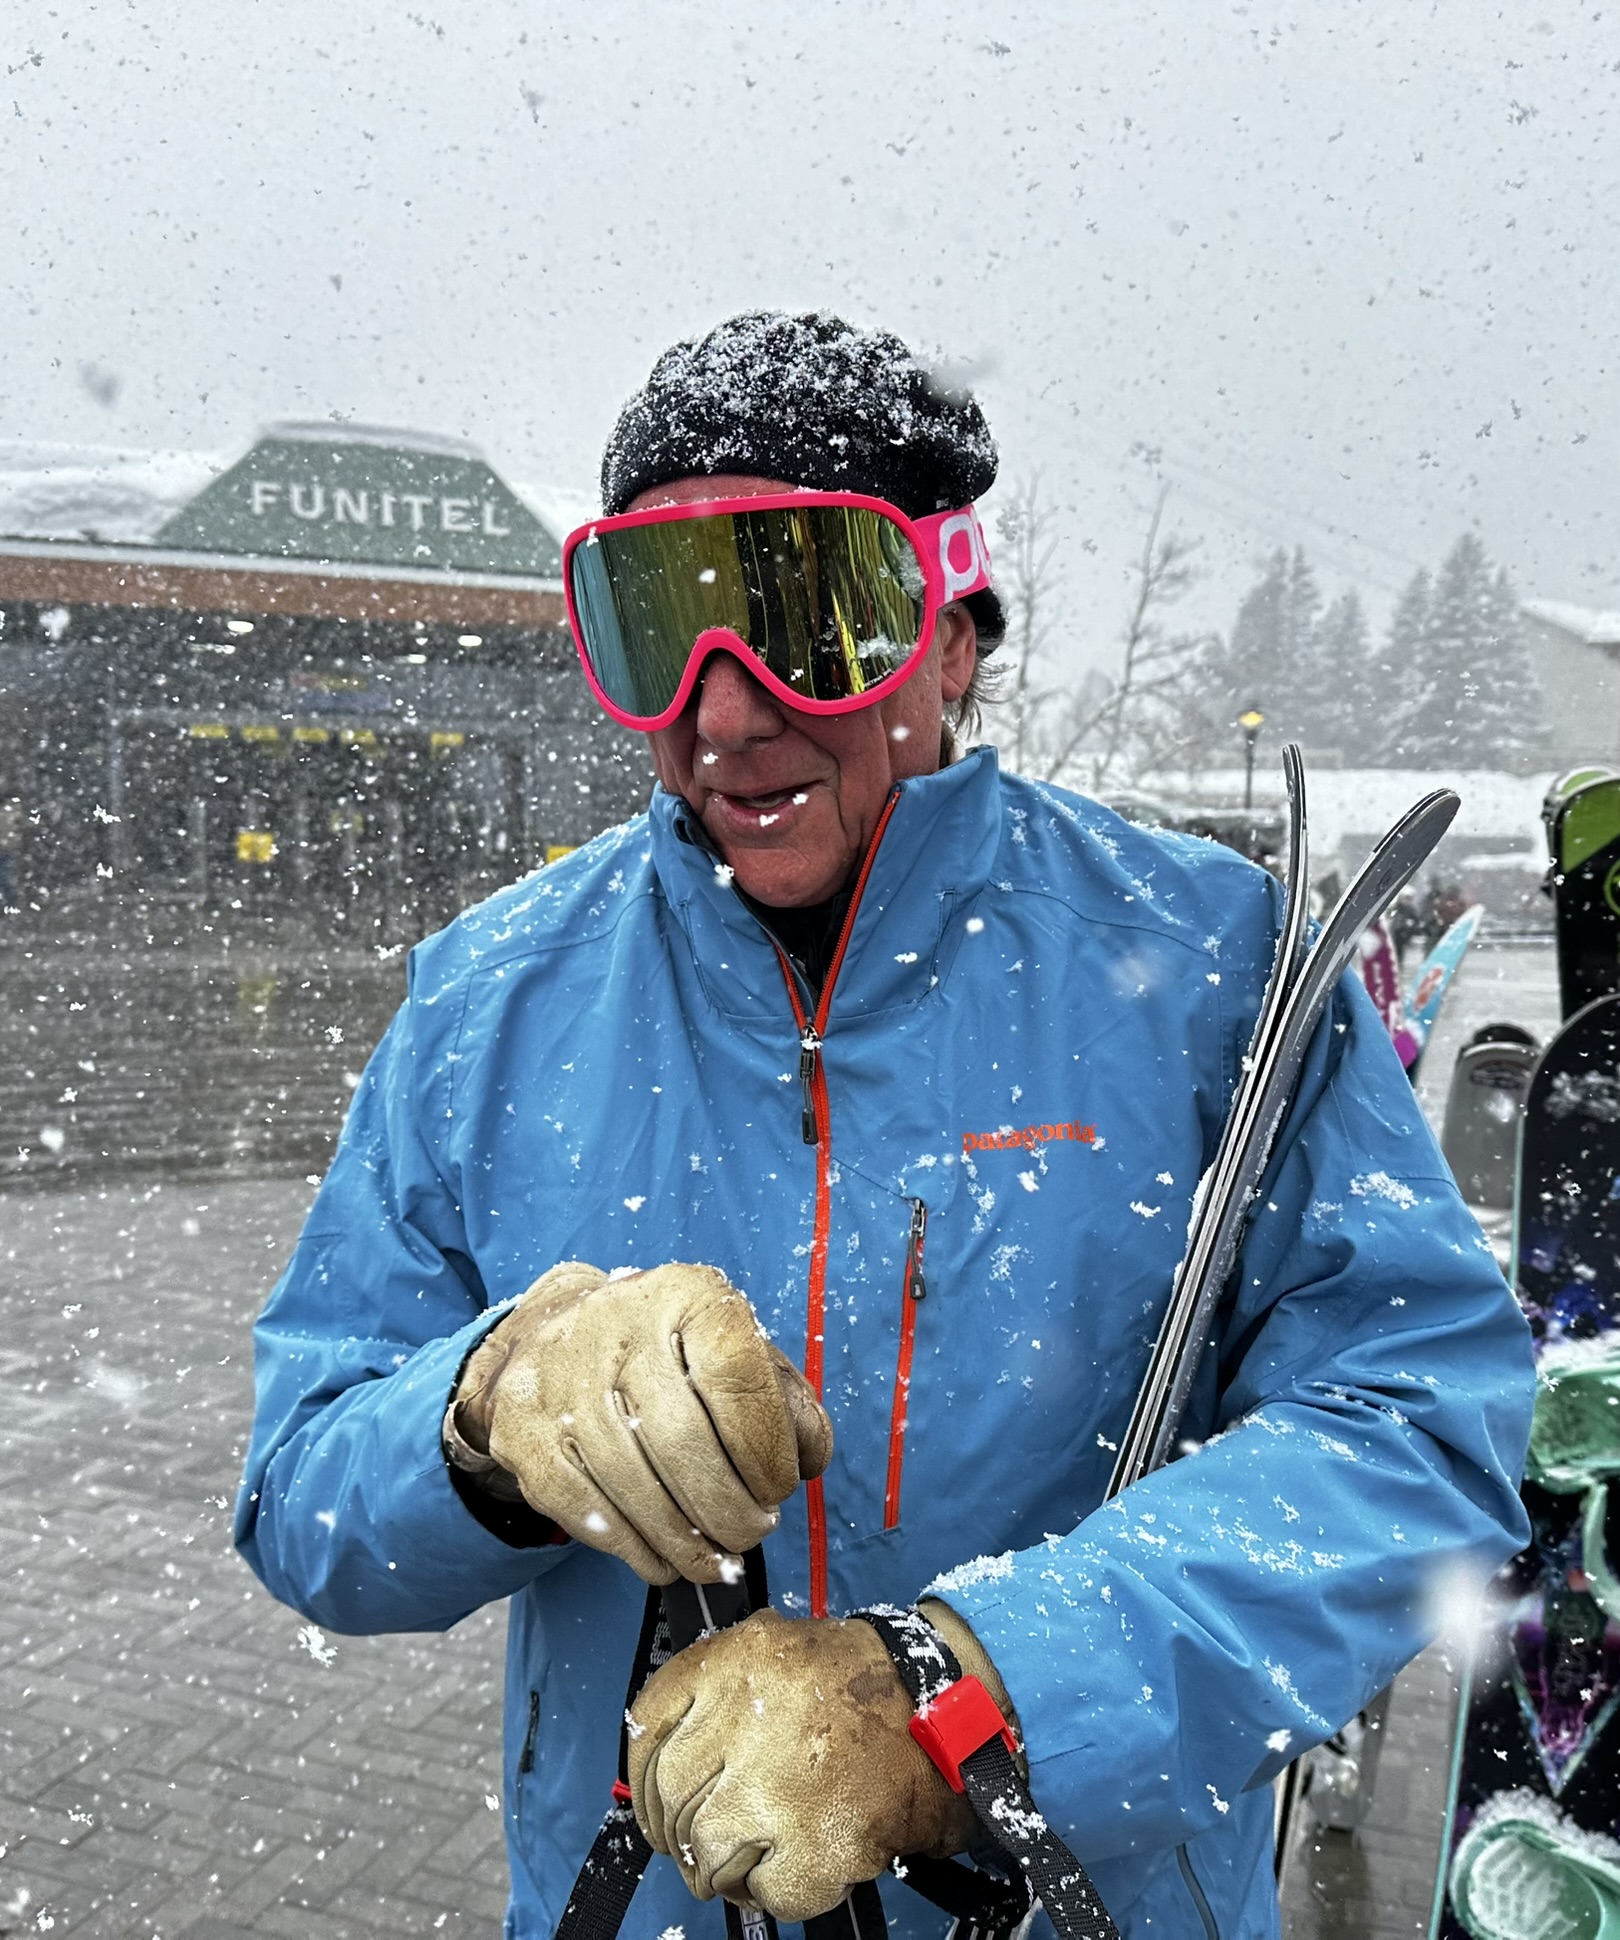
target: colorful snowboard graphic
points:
(1533, 1845)
(1583, 833)
(1428, 993)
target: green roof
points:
(354, 496)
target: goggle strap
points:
(955, 542)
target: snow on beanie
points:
(808, 399)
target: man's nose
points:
(733, 707)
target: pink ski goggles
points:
(828, 598)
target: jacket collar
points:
(934, 858)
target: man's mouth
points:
(763, 804)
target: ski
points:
(1293, 1001)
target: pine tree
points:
(1253, 667)
(1513, 724)
(1460, 689)
(1272, 660)
(1400, 676)
(1345, 713)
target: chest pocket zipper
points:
(526, 1760)
(913, 1290)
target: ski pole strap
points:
(972, 1747)
(618, 1856)
(983, 1905)
(608, 1880)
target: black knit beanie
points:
(810, 400)
(813, 401)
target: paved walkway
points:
(119, 1059)
(174, 1758)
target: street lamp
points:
(1251, 724)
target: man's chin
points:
(784, 879)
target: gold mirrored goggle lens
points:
(829, 597)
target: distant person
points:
(1442, 906)
(923, 1063)
(13, 824)
(1405, 921)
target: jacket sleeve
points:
(1372, 1401)
(348, 1510)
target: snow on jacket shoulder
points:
(1029, 1050)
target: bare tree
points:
(1139, 714)
(1027, 585)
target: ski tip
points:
(1441, 805)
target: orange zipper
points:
(914, 1289)
(818, 1130)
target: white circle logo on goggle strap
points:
(964, 561)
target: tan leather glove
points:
(646, 1414)
(773, 1763)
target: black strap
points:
(995, 1787)
(608, 1880)
(613, 1869)
(984, 1906)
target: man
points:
(923, 1064)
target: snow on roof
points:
(1347, 805)
(1588, 623)
(335, 431)
(107, 495)
(96, 492)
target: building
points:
(1575, 654)
(335, 676)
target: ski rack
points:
(1296, 993)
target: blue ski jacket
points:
(1025, 1057)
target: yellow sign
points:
(210, 731)
(442, 741)
(312, 734)
(256, 733)
(255, 845)
(555, 851)
(363, 739)
(1252, 721)
(255, 995)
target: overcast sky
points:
(1346, 273)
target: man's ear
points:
(958, 641)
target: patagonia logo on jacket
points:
(1008, 1139)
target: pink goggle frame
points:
(949, 548)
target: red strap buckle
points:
(953, 1725)
(621, 1791)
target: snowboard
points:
(1583, 832)
(1532, 1844)
(1480, 1133)
(1434, 980)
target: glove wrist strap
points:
(972, 1739)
